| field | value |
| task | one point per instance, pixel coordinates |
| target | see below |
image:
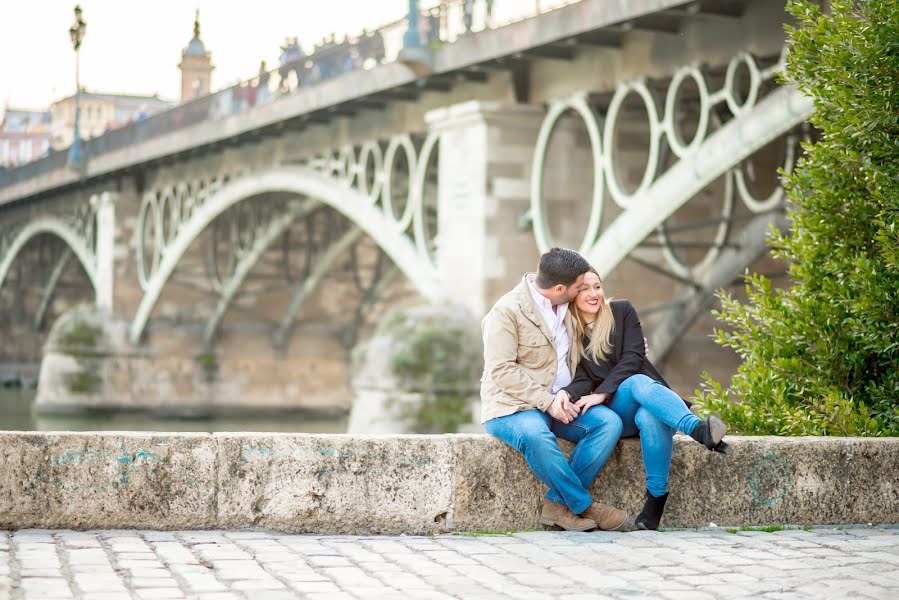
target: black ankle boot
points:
(709, 434)
(652, 511)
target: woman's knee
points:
(639, 384)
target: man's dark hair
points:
(560, 266)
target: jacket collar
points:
(532, 312)
(530, 309)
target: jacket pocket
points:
(534, 351)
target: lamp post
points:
(415, 55)
(76, 33)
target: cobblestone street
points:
(852, 562)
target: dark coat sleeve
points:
(584, 381)
(632, 354)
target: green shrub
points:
(822, 357)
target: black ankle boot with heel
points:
(709, 434)
(651, 514)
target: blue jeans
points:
(649, 409)
(533, 434)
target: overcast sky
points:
(135, 47)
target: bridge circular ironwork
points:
(680, 266)
(419, 208)
(149, 218)
(672, 135)
(370, 150)
(619, 195)
(730, 83)
(404, 143)
(578, 104)
(758, 205)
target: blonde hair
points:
(599, 347)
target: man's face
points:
(564, 294)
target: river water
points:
(15, 415)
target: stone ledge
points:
(415, 484)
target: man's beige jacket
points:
(519, 356)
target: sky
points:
(134, 47)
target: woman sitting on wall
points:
(614, 371)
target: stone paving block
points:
(273, 595)
(158, 593)
(314, 587)
(249, 570)
(329, 561)
(261, 583)
(152, 582)
(203, 583)
(335, 484)
(86, 479)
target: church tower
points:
(196, 66)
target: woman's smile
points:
(592, 296)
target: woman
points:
(614, 371)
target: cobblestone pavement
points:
(852, 562)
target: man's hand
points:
(590, 400)
(561, 408)
(645, 347)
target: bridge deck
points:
(555, 34)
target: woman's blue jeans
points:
(533, 434)
(649, 409)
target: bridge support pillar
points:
(486, 149)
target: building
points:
(25, 135)
(99, 113)
(196, 67)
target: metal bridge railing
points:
(441, 23)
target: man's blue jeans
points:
(649, 409)
(533, 434)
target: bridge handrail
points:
(248, 94)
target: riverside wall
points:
(416, 484)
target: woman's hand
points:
(590, 400)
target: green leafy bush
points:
(822, 357)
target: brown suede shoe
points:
(554, 513)
(606, 517)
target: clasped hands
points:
(564, 410)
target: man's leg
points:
(529, 433)
(594, 434)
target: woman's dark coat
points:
(628, 358)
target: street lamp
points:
(414, 54)
(76, 33)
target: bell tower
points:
(196, 66)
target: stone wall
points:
(415, 484)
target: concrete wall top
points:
(325, 483)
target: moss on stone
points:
(208, 360)
(81, 335)
(437, 359)
(83, 382)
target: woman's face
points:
(591, 297)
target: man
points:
(528, 357)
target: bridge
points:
(237, 257)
